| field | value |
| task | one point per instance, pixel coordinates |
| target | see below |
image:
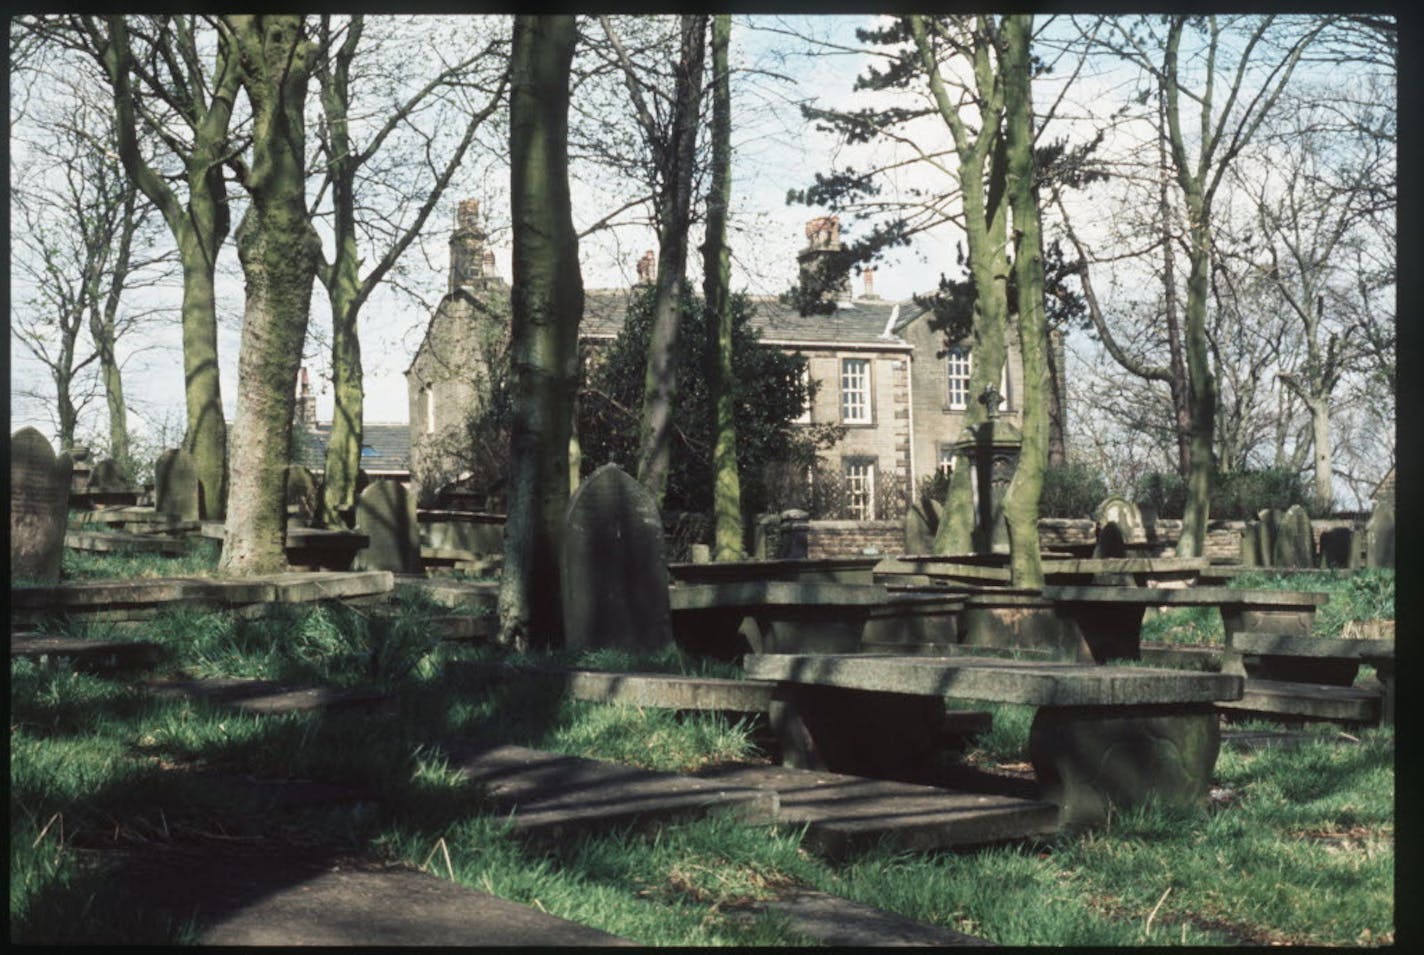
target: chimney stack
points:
(823, 242)
(467, 247)
(869, 276)
(306, 403)
(647, 267)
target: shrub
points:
(1071, 490)
(1244, 494)
(1163, 490)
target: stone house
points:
(883, 373)
(385, 446)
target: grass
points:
(1298, 848)
(199, 559)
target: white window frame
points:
(959, 357)
(858, 479)
(945, 463)
(428, 393)
(855, 391)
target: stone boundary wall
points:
(852, 538)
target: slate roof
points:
(860, 322)
(384, 446)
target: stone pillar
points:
(992, 450)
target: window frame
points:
(865, 392)
(865, 510)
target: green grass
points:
(1298, 849)
(199, 559)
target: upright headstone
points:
(301, 493)
(1269, 519)
(1251, 544)
(613, 575)
(1337, 548)
(39, 506)
(108, 475)
(82, 466)
(385, 512)
(1110, 541)
(919, 530)
(795, 535)
(1125, 514)
(175, 485)
(1295, 541)
(1379, 535)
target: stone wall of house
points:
(886, 439)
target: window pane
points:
(860, 489)
(959, 377)
(855, 389)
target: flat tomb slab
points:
(664, 691)
(100, 653)
(853, 570)
(264, 696)
(453, 593)
(832, 920)
(1180, 656)
(1001, 681)
(286, 588)
(549, 796)
(810, 594)
(1187, 596)
(254, 897)
(1288, 645)
(845, 814)
(1345, 704)
(105, 542)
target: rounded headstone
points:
(1110, 541)
(613, 575)
(1295, 542)
(1118, 510)
(385, 512)
(175, 485)
(1379, 536)
(39, 506)
(108, 475)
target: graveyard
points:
(593, 563)
(874, 750)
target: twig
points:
(39, 838)
(1147, 929)
(440, 845)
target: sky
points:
(774, 150)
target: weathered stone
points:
(549, 797)
(845, 814)
(471, 531)
(303, 496)
(1295, 543)
(1338, 548)
(108, 475)
(1111, 541)
(112, 541)
(613, 575)
(175, 485)
(1306, 701)
(1251, 544)
(831, 920)
(39, 506)
(1118, 510)
(1090, 758)
(1269, 521)
(87, 655)
(919, 530)
(1379, 535)
(385, 512)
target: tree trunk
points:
(1201, 395)
(1177, 385)
(547, 305)
(728, 542)
(1026, 487)
(1320, 431)
(109, 372)
(675, 201)
(986, 236)
(279, 251)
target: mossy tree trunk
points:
(199, 224)
(981, 182)
(728, 541)
(1026, 488)
(279, 251)
(546, 305)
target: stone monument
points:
(39, 506)
(612, 569)
(385, 512)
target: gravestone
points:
(795, 542)
(39, 506)
(1295, 541)
(1251, 544)
(302, 496)
(1125, 514)
(1337, 548)
(175, 485)
(612, 572)
(766, 537)
(1269, 521)
(385, 512)
(1379, 536)
(1110, 541)
(81, 465)
(919, 531)
(108, 475)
